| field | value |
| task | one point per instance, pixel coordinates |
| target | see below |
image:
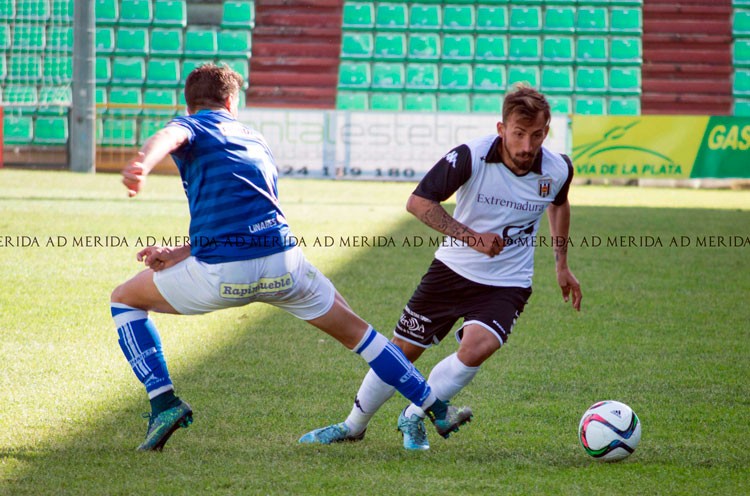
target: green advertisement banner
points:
(661, 147)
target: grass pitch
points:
(664, 328)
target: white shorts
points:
(286, 280)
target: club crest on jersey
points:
(545, 186)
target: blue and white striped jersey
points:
(229, 176)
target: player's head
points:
(526, 118)
(212, 87)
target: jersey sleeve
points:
(184, 125)
(447, 175)
(562, 195)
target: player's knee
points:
(121, 295)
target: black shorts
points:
(443, 297)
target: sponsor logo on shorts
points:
(412, 323)
(264, 285)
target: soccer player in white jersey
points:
(482, 274)
(241, 252)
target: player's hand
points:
(570, 286)
(489, 243)
(132, 175)
(159, 258)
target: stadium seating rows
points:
(741, 57)
(446, 55)
(144, 50)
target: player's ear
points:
(500, 128)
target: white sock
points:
(372, 394)
(450, 376)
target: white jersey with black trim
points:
(491, 198)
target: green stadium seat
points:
(162, 72)
(458, 18)
(7, 10)
(188, 65)
(624, 106)
(389, 46)
(201, 43)
(425, 17)
(625, 51)
(741, 52)
(625, 21)
(741, 85)
(125, 102)
(489, 78)
(135, 13)
(560, 104)
(459, 102)
(421, 77)
(592, 20)
(392, 102)
(28, 38)
(354, 75)
(59, 39)
(358, 15)
(119, 132)
(23, 99)
(741, 22)
(424, 46)
(166, 42)
(591, 79)
(492, 19)
(18, 129)
(128, 71)
(388, 76)
(491, 48)
(3, 70)
(391, 17)
(560, 20)
(592, 105)
(456, 77)
(239, 65)
(356, 45)
(100, 97)
(457, 47)
(149, 127)
(625, 80)
(742, 107)
(32, 10)
(557, 79)
(24, 68)
(420, 102)
(238, 15)
(159, 102)
(350, 100)
(170, 14)
(487, 103)
(104, 40)
(131, 41)
(5, 38)
(54, 100)
(592, 50)
(525, 50)
(557, 50)
(51, 130)
(103, 70)
(529, 75)
(106, 12)
(62, 11)
(234, 43)
(525, 19)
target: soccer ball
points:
(609, 431)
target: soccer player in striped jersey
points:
(241, 251)
(482, 274)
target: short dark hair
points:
(526, 102)
(209, 85)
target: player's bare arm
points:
(154, 150)
(559, 226)
(434, 215)
(159, 258)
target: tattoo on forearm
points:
(437, 218)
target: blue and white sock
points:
(389, 363)
(141, 345)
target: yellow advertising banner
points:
(661, 147)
